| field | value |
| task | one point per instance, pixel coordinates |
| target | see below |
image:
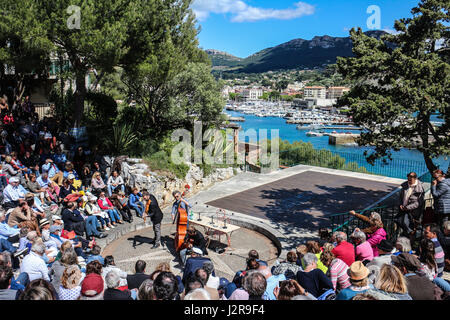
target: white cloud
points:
(391, 31)
(241, 12)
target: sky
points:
(244, 27)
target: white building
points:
(252, 93)
(315, 92)
(336, 92)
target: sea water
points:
(289, 132)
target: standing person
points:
(431, 231)
(440, 189)
(375, 232)
(179, 203)
(411, 205)
(156, 215)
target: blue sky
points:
(244, 27)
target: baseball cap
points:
(197, 251)
(71, 176)
(92, 285)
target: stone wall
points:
(137, 174)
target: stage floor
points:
(306, 199)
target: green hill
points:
(295, 54)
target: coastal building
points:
(226, 91)
(296, 86)
(336, 92)
(252, 93)
(315, 92)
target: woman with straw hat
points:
(358, 276)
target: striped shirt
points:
(338, 274)
(439, 256)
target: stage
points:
(307, 198)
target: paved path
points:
(136, 246)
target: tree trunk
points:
(80, 95)
(426, 144)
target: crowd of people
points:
(58, 198)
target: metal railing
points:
(387, 208)
(355, 162)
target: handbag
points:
(68, 235)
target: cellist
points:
(179, 202)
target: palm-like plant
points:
(121, 140)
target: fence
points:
(395, 168)
(388, 210)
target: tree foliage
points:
(400, 82)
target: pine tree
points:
(401, 81)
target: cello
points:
(182, 219)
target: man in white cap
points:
(193, 263)
(12, 193)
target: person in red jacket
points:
(105, 204)
(344, 250)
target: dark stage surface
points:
(304, 200)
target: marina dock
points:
(329, 128)
(237, 119)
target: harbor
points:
(306, 119)
(319, 138)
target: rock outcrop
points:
(137, 174)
